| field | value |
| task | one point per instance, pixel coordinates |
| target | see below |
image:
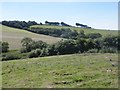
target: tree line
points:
(25, 25)
(108, 44)
(19, 24)
(64, 33)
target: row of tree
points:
(31, 48)
(19, 24)
(57, 24)
(65, 24)
(39, 48)
(64, 33)
(25, 25)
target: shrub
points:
(44, 52)
(23, 50)
(93, 35)
(32, 54)
(10, 57)
(92, 51)
(108, 50)
(5, 46)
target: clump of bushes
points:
(38, 53)
(108, 44)
(4, 47)
(108, 50)
(92, 51)
(10, 57)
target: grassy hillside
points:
(103, 32)
(14, 36)
(78, 70)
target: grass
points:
(103, 32)
(64, 71)
(14, 36)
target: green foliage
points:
(92, 51)
(38, 53)
(108, 50)
(28, 45)
(10, 57)
(19, 24)
(81, 45)
(5, 46)
(26, 41)
(70, 46)
(93, 35)
(65, 47)
(0, 47)
(23, 50)
(63, 32)
(32, 54)
(13, 54)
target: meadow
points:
(62, 71)
(14, 36)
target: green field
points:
(14, 36)
(103, 32)
(65, 71)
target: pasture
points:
(64, 71)
(14, 36)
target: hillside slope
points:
(14, 36)
(86, 30)
(65, 71)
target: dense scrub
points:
(64, 33)
(108, 44)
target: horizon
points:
(102, 15)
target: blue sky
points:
(101, 15)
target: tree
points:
(81, 34)
(64, 24)
(93, 35)
(81, 44)
(5, 46)
(26, 43)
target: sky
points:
(99, 15)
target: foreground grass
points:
(14, 36)
(86, 30)
(65, 71)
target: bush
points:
(93, 35)
(5, 46)
(92, 51)
(38, 53)
(108, 50)
(44, 52)
(10, 57)
(23, 50)
(32, 54)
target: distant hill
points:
(86, 30)
(14, 36)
